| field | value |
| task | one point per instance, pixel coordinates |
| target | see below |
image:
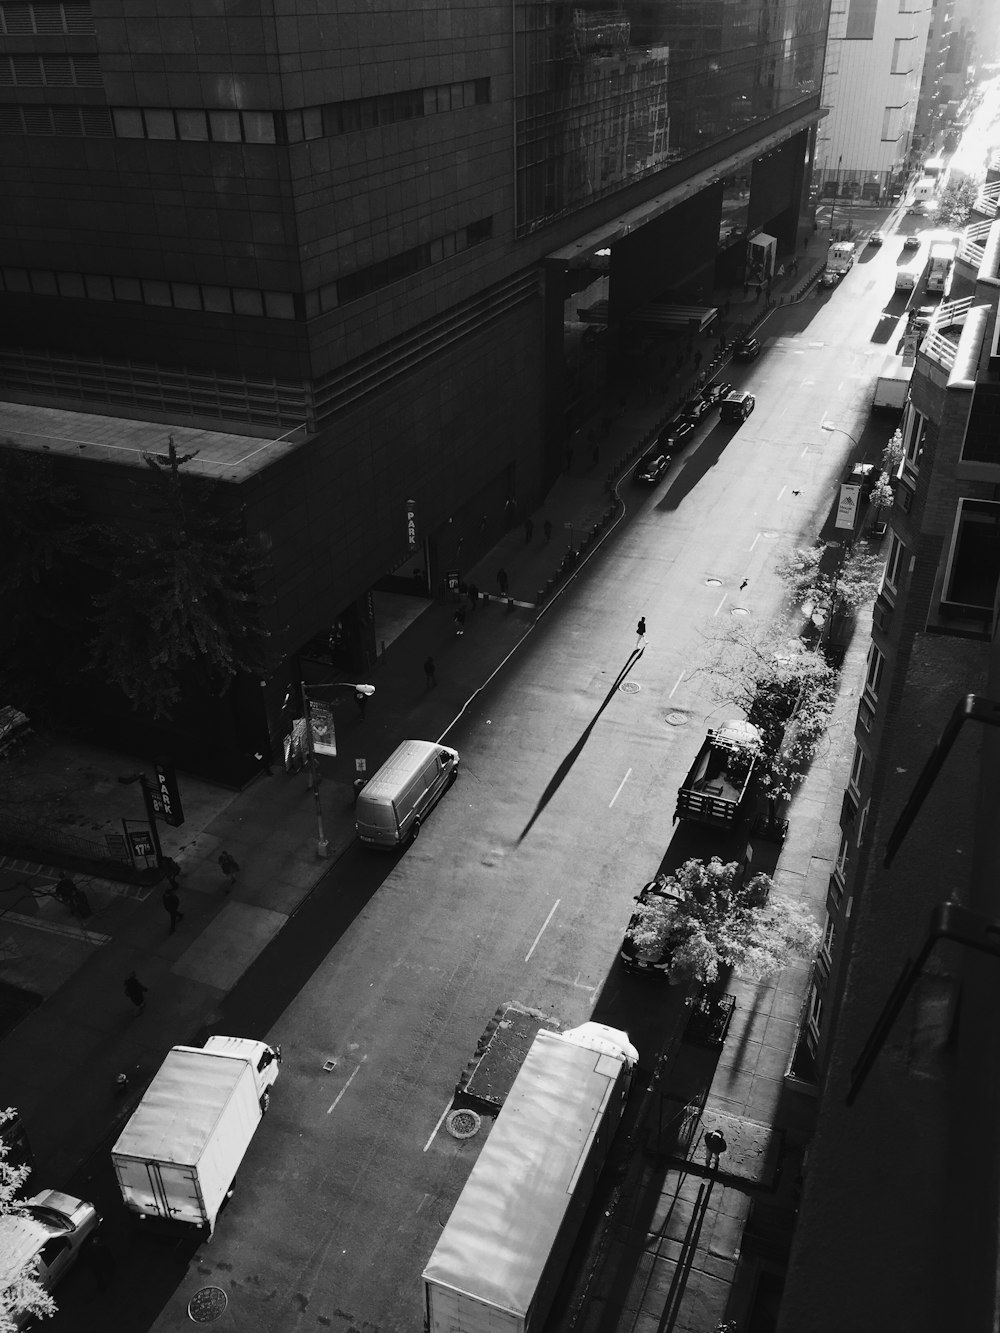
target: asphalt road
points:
(521, 883)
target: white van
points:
(400, 795)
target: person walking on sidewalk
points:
(715, 1146)
(640, 630)
(502, 582)
(429, 671)
(172, 905)
(460, 622)
(229, 866)
(65, 891)
(135, 991)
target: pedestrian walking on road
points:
(429, 671)
(547, 529)
(459, 622)
(502, 582)
(135, 991)
(746, 290)
(529, 530)
(172, 905)
(715, 1146)
(640, 630)
(229, 866)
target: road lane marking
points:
(781, 492)
(721, 605)
(542, 931)
(437, 1126)
(620, 785)
(755, 541)
(679, 679)
(333, 1104)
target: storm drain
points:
(207, 1305)
(463, 1123)
(630, 687)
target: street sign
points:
(166, 794)
(361, 765)
(452, 578)
(847, 509)
(411, 524)
(141, 842)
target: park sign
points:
(166, 796)
(847, 508)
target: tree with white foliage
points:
(21, 1293)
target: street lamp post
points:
(833, 210)
(361, 690)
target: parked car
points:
(737, 406)
(829, 277)
(714, 393)
(45, 1237)
(746, 349)
(696, 409)
(673, 434)
(652, 466)
(875, 239)
(633, 956)
(911, 243)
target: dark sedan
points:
(696, 409)
(713, 394)
(746, 349)
(673, 435)
(652, 466)
(646, 958)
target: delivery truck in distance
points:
(939, 265)
(893, 384)
(501, 1255)
(178, 1155)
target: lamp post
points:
(833, 210)
(361, 690)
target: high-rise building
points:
(898, 1225)
(398, 245)
(871, 83)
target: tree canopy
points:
(25, 1294)
(710, 919)
(179, 594)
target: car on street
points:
(875, 239)
(644, 958)
(746, 348)
(911, 243)
(673, 434)
(652, 466)
(695, 409)
(829, 277)
(737, 406)
(46, 1236)
(713, 394)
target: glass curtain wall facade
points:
(605, 97)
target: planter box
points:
(709, 1020)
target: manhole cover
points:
(739, 611)
(713, 583)
(207, 1305)
(462, 1124)
(629, 687)
(676, 719)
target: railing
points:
(23, 833)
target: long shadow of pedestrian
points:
(562, 771)
(685, 1260)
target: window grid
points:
(873, 674)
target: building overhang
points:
(581, 251)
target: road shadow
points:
(700, 461)
(562, 772)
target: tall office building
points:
(871, 82)
(364, 236)
(898, 1226)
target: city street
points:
(522, 881)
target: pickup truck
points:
(718, 781)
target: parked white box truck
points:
(939, 265)
(177, 1156)
(893, 384)
(500, 1257)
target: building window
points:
(914, 429)
(970, 581)
(892, 124)
(890, 579)
(814, 1012)
(862, 825)
(873, 675)
(859, 770)
(829, 936)
(866, 714)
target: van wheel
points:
(452, 776)
(265, 1101)
(415, 831)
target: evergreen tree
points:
(25, 1294)
(179, 600)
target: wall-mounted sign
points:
(411, 524)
